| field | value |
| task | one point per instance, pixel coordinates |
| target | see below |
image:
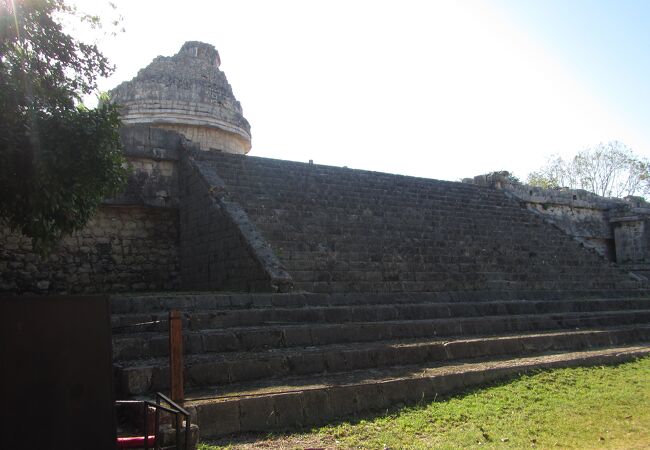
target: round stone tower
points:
(187, 93)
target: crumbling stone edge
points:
(512, 195)
(259, 248)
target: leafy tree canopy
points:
(610, 170)
(58, 159)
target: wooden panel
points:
(56, 377)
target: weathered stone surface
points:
(260, 351)
(218, 418)
(287, 409)
(323, 403)
(187, 93)
(256, 414)
(340, 230)
(219, 246)
(632, 238)
(316, 408)
(153, 155)
(120, 249)
(615, 228)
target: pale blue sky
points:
(443, 89)
(606, 43)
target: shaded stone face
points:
(187, 93)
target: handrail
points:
(172, 403)
(172, 408)
(179, 411)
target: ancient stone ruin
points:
(311, 292)
(617, 229)
(187, 93)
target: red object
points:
(135, 442)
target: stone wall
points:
(121, 249)
(131, 244)
(219, 247)
(615, 228)
(210, 138)
(341, 230)
(632, 240)
(153, 155)
(579, 213)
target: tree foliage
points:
(58, 159)
(610, 170)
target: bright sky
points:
(440, 89)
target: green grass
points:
(599, 407)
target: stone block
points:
(370, 397)
(342, 401)
(160, 378)
(446, 384)
(127, 348)
(257, 413)
(218, 418)
(335, 361)
(207, 373)
(135, 381)
(316, 407)
(288, 410)
(260, 339)
(330, 334)
(220, 342)
(420, 390)
(257, 369)
(297, 336)
(306, 363)
(412, 354)
(396, 391)
(360, 358)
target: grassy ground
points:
(600, 407)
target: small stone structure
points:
(187, 93)
(617, 229)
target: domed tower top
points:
(202, 50)
(187, 93)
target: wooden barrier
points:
(176, 356)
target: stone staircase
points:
(404, 289)
(342, 230)
(265, 361)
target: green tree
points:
(610, 170)
(58, 159)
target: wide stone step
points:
(205, 370)
(314, 400)
(422, 287)
(195, 320)
(157, 302)
(242, 339)
(292, 197)
(365, 210)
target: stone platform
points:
(338, 230)
(363, 290)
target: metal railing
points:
(163, 403)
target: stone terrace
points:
(342, 230)
(404, 289)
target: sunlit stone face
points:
(202, 51)
(187, 93)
